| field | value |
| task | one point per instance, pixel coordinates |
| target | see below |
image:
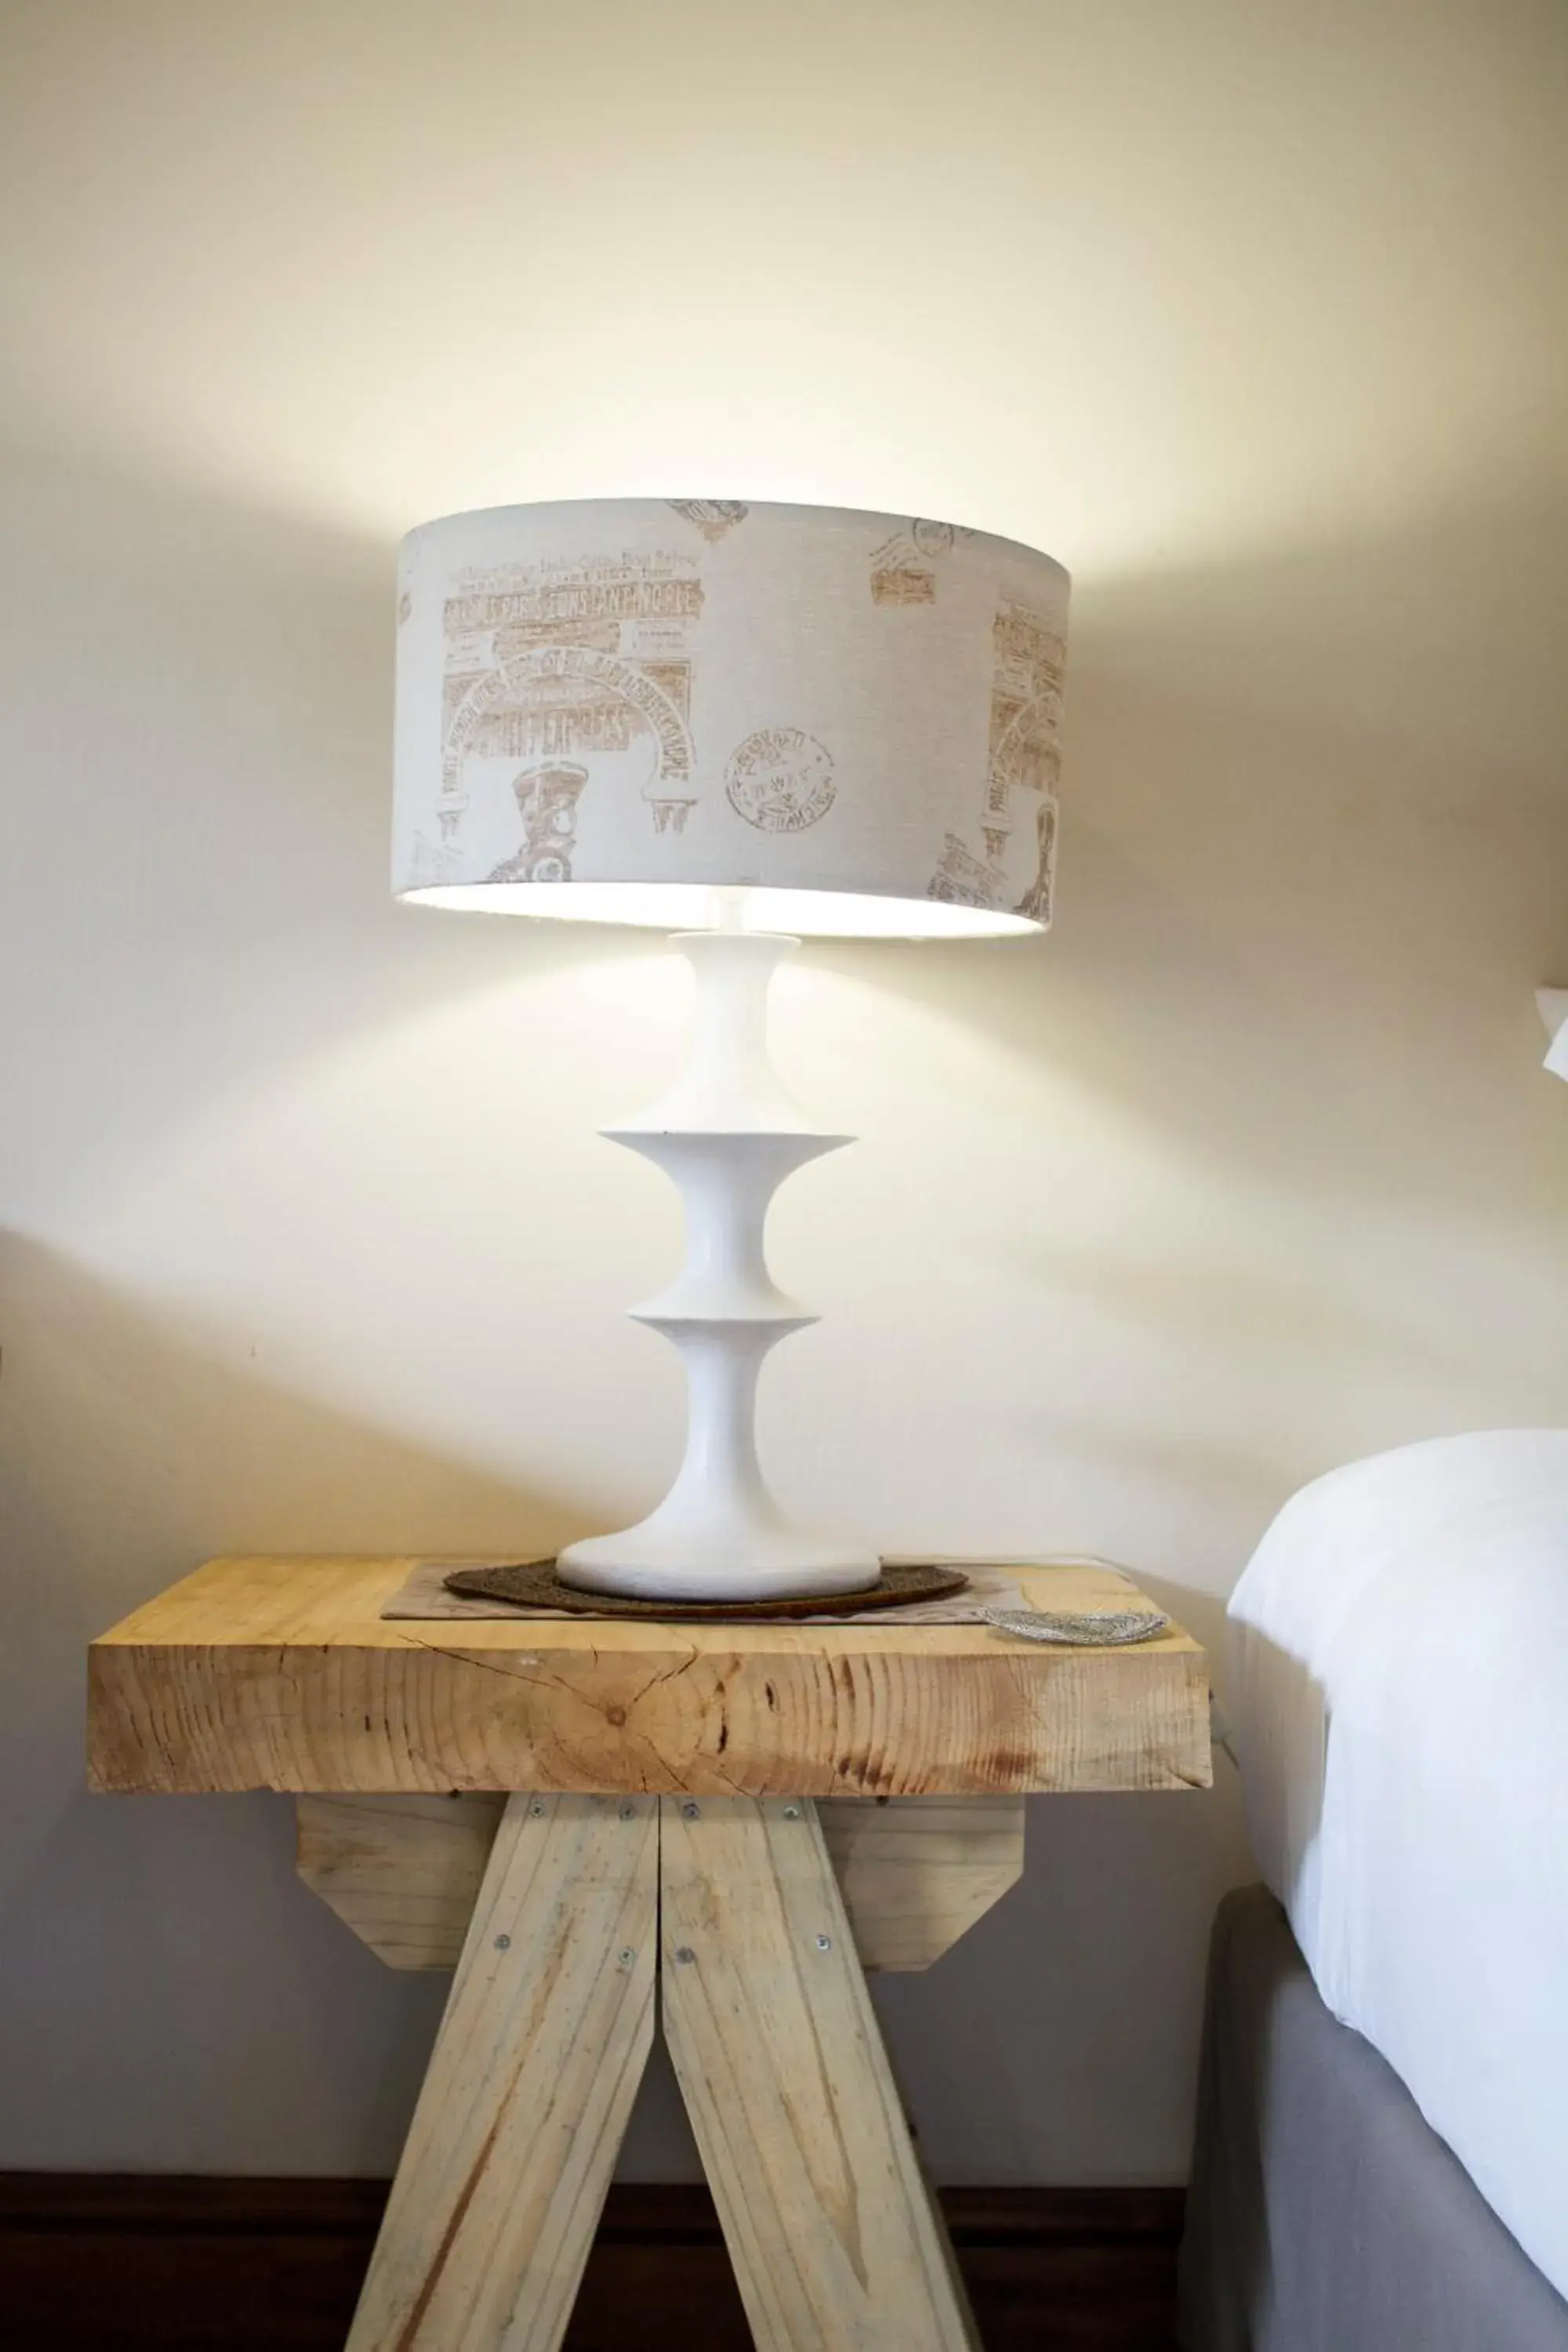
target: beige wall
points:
(308, 1240)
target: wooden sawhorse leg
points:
(530, 2086)
(835, 2242)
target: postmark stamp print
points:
(780, 780)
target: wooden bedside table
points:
(635, 1808)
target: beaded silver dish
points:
(1089, 1629)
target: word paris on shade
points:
(739, 724)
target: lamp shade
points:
(614, 708)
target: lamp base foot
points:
(645, 1563)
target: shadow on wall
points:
(196, 885)
(1315, 832)
(175, 1984)
(1313, 859)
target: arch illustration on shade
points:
(513, 685)
(1028, 655)
(1024, 758)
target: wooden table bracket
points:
(915, 1873)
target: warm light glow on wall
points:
(1053, 272)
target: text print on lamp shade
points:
(739, 723)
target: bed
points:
(1383, 2146)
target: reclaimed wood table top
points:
(281, 1673)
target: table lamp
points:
(741, 724)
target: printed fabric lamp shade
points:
(738, 723)
(611, 709)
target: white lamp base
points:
(729, 1135)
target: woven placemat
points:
(423, 1597)
(534, 1584)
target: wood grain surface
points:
(837, 2244)
(522, 2111)
(915, 1873)
(404, 1872)
(279, 1673)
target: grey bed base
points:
(1325, 2214)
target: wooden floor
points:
(121, 2263)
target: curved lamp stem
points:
(727, 1135)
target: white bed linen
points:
(1400, 1696)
